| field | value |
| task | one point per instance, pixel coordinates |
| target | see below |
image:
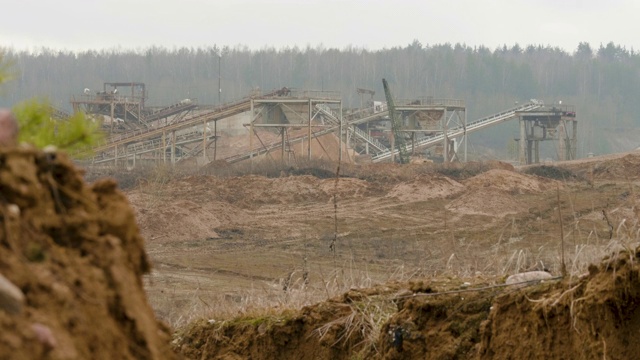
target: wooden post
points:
(173, 147)
(215, 138)
(340, 147)
(204, 142)
(164, 147)
(251, 138)
(282, 133)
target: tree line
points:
(602, 82)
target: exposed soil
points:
(437, 240)
(593, 317)
(425, 187)
(510, 181)
(487, 201)
(76, 254)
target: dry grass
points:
(293, 292)
(365, 321)
(178, 308)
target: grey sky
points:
(372, 24)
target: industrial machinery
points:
(398, 138)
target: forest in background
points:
(603, 83)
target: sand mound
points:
(76, 254)
(174, 220)
(252, 191)
(194, 207)
(188, 209)
(347, 187)
(627, 167)
(487, 201)
(425, 187)
(510, 181)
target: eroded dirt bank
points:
(592, 317)
(75, 253)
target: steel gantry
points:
(289, 112)
(556, 123)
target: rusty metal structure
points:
(556, 123)
(291, 111)
(123, 111)
(157, 137)
(290, 120)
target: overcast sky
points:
(371, 24)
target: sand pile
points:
(510, 181)
(251, 191)
(627, 167)
(346, 187)
(188, 209)
(75, 253)
(425, 187)
(173, 219)
(194, 207)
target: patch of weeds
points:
(551, 172)
(228, 233)
(314, 171)
(461, 172)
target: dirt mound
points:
(160, 219)
(594, 317)
(598, 317)
(75, 253)
(347, 187)
(193, 207)
(339, 328)
(627, 167)
(617, 167)
(496, 164)
(438, 327)
(286, 336)
(251, 191)
(189, 208)
(487, 201)
(425, 187)
(510, 181)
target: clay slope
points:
(594, 317)
(75, 253)
(597, 317)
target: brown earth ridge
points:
(75, 253)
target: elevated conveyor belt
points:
(356, 118)
(150, 139)
(356, 131)
(184, 105)
(460, 130)
(140, 135)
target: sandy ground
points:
(208, 236)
